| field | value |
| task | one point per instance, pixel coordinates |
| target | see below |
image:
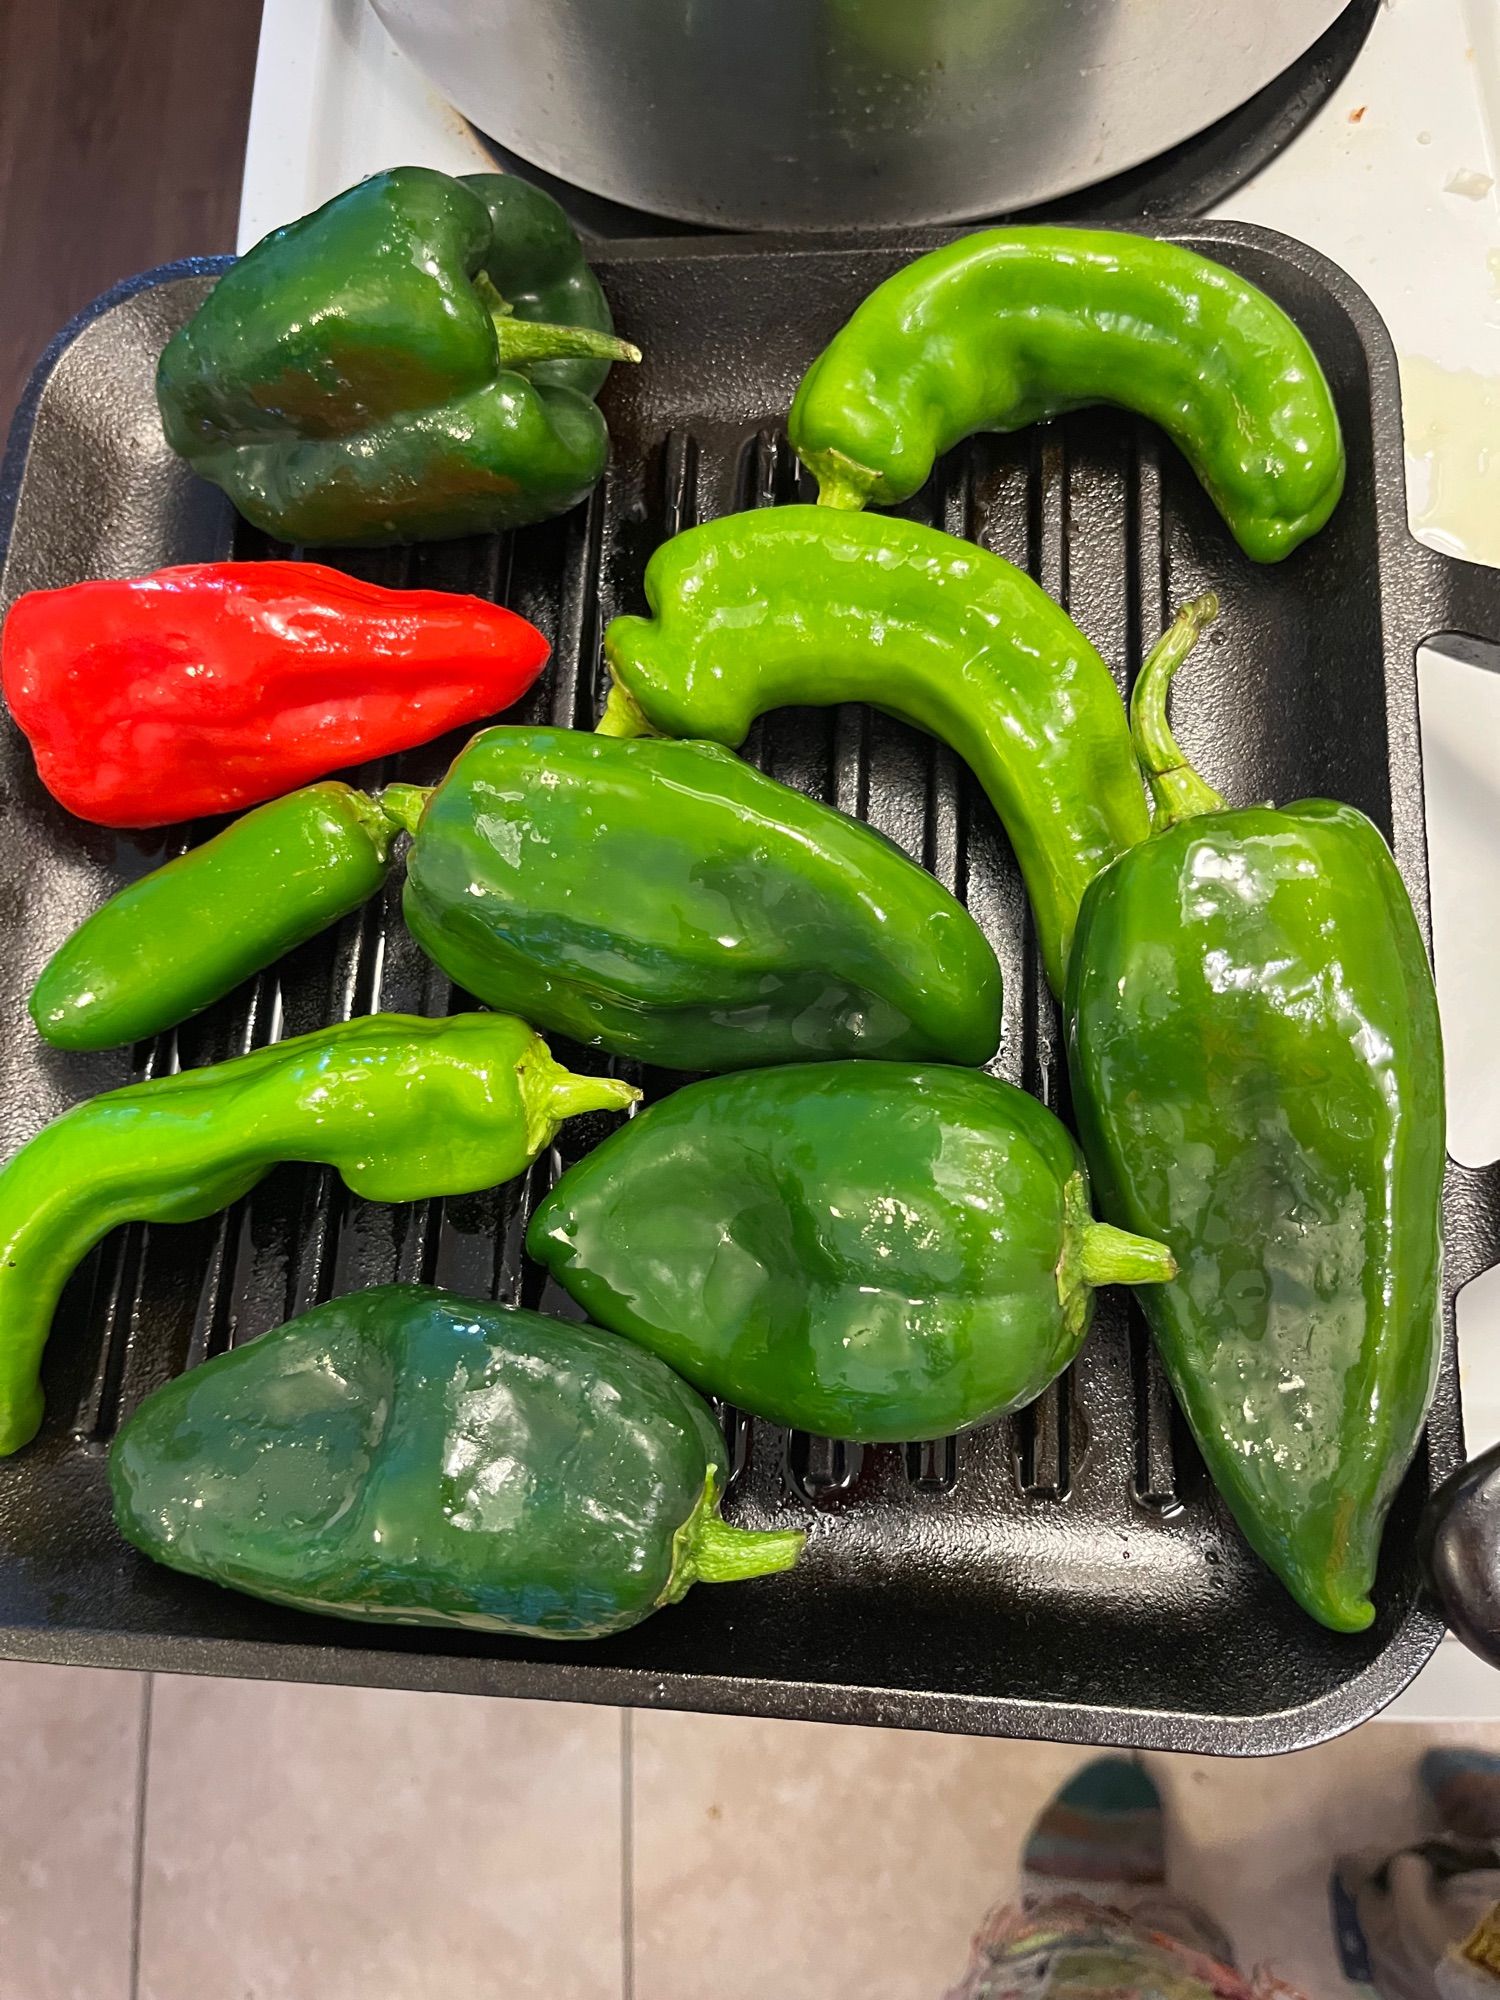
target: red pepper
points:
(216, 685)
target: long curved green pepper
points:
(404, 1108)
(807, 605)
(1000, 329)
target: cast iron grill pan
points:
(1070, 1573)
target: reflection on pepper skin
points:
(805, 605)
(1009, 326)
(859, 1249)
(1257, 1077)
(669, 902)
(414, 1458)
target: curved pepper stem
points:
(550, 1093)
(1177, 792)
(706, 1549)
(521, 340)
(729, 1555)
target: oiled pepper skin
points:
(167, 946)
(865, 1250)
(403, 1107)
(1257, 1080)
(385, 369)
(1008, 326)
(806, 605)
(409, 1457)
(669, 902)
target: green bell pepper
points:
(183, 936)
(1001, 329)
(668, 902)
(403, 1108)
(410, 1457)
(1257, 1079)
(857, 1249)
(416, 359)
(803, 605)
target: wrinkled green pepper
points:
(404, 1108)
(859, 1249)
(668, 902)
(1003, 328)
(406, 1456)
(804, 605)
(416, 359)
(172, 943)
(1258, 1081)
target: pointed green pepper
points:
(402, 1107)
(1258, 1081)
(168, 945)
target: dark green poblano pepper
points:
(858, 1249)
(1258, 1081)
(416, 359)
(410, 1457)
(669, 902)
(403, 1107)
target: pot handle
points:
(1460, 1547)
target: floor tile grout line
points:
(138, 1868)
(627, 1856)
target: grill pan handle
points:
(1459, 1540)
(1458, 596)
(1460, 1546)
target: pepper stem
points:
(404, 805)
(729, 1555)
(1095, 1254)
(521, 340)
(842, 481)
(705, 1549)
(375, 820)
(539, 340)
(571, 1094)
(1110, 1256)
(623, 714)
(550, 1093)
(1177, 792)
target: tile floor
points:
(177, 1839)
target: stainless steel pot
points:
(756, 114)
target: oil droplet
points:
(1453, 434)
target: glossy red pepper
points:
(216, 685)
